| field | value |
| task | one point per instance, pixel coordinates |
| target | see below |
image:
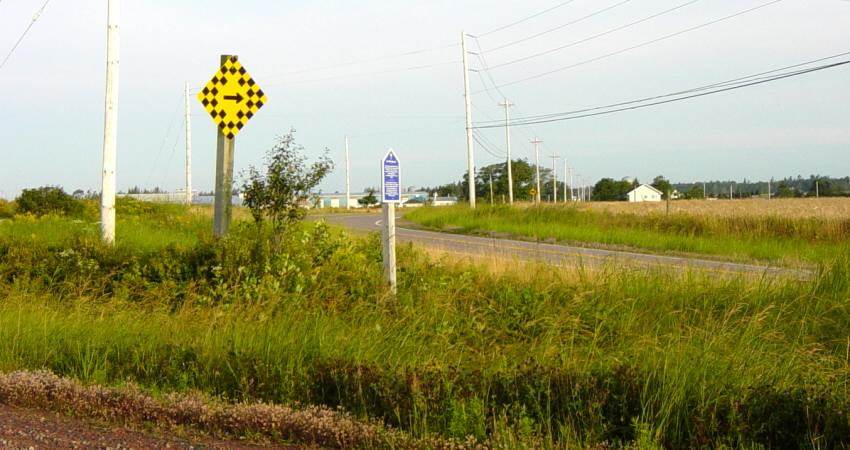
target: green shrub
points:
(7, 209)
(49, 200)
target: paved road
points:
(548, 253)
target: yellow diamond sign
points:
(232, 97)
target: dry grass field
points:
(822, 208)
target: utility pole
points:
(507, 105)
(731, 194)
(704, 195)
(555, 158)
(470, 157)
(223, 208)
(572, 199)
(565, 180)
(817, 188)
(491, 188)
(769, 188)
(537, 142)
(188, 147)
(110, 126)
(347, 177)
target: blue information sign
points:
(390, 178)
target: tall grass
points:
(768, 238)
(532, 357)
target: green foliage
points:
(607, 189)
(696, 192)
(287, 184)
(554, 359)
(784, 190)
(369, 200)
(48, 200)
(662, 185)
(7, 209)
(771, 238)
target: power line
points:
(597, 36)
(403, 69)
(702, 94)
(20, 39)
(504, 27)
(643, 44)
(162, 144)
(365, 60)
(560, 27)
(739, 80)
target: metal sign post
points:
(231, 98)
(390, 196)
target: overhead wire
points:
(35, 18)
(559, 27)
(363, 61)
(738, 80)
(162, 143)
(361, 74)
(641, 45)
(749, 83)
(597, 36)
(525, 19)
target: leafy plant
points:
(283, 191)
(369, 200)
(48, 200)
(7, 209)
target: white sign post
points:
(390, 196)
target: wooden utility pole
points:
(470, 157)
(507, 105)
(491, 188)
(110, 126)
(188, 119)
(555, 159)
(347, 176)
(537, 142)
(223, 178)
(389, 245)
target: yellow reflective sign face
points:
(232, 97)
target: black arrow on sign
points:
(237, 97)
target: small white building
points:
(645, 193)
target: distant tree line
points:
(610, 189)
(523, 174)
(784, 188)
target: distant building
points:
(645, 193)
(443, 201)
(339, 200)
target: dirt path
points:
(25, 428)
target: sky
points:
(52, 88)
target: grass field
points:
(837, 208)
(532, 358)
(783, 232)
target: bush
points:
(7, 209)
(49, 200)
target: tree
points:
(663, 185)
(48, 200)
(695, 192)
(283, 191)
(523, 177)
(785, 191)
(369, 200)
(608, 189)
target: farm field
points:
(462, 356)
(794, 232)
(834, 208)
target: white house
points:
(645, 193)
